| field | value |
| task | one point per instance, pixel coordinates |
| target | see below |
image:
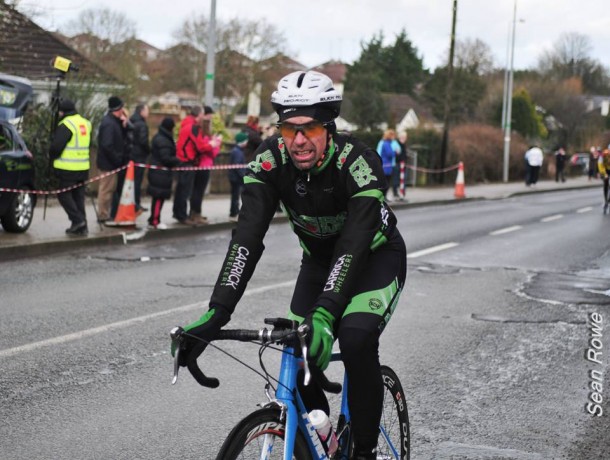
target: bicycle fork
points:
(294, 409)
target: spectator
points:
(388, 149)
(159, 180)
(236, 175)
(140, 150)
(209, 151)
(533, 163)
(255, 139)
(593, 156)
(191, 143)
(268, 131)
(111, 154)
(603, 166)
(401, 162)
(120, 180)
(560, 161)
(70, 154)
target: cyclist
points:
(603, 166)
(353, 268)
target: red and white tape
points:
(181, 168)
(115, 171)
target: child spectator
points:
(163, 153)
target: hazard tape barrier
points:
(432, 171)
(117, 170)
(403, 167)
(181, 168)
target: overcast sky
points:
(319, 30)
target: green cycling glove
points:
(205, 328)
(320, 338)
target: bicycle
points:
(281, 429)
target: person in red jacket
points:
(206, 159)
(190, 146)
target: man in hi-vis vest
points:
(70, 154)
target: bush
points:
(481, 148)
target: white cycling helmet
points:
(310, 94)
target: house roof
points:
(399, 104)
(28, 50)
(336, 70)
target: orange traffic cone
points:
(459, 182)
(126, 212)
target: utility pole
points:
(508, 100)
(210, 61)
(448, 94)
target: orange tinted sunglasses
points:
(312, 129)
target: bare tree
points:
(110, 27)
(106, 37)
(474, 56)
(570, 57)
(243, 53)
(568, 53)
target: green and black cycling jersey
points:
(336, 209)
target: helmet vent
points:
(300, 80)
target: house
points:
(405, 112)
(597, 103)
(29, 51)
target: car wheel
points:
(19, 214)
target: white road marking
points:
(581, 210)
(425, 252)
(506, 230)
(122, 324)
(552, 218)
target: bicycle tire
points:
(245, 441)
(394, 418)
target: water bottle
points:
(321, 423)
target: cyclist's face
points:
(305, 140)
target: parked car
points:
(16, 161)
(579, 162)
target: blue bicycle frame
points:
(296, 413)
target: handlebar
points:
(285, 332)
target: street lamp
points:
(507, 102)
(209, 71)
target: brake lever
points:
(302, 331)
(176, 336)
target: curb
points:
(136, 234)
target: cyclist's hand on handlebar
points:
(320, 337)
(205, 330)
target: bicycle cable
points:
(263, 346)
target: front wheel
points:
(19, 214)
(261, 431)
(394, 438)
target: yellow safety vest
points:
(603, 164)
(75, 156)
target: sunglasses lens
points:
(313, 129)
(290, 130)
(287, 130)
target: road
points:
(489, 338)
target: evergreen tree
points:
(524, 118)
(395, 68)
(468, 90)
(403, 68)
